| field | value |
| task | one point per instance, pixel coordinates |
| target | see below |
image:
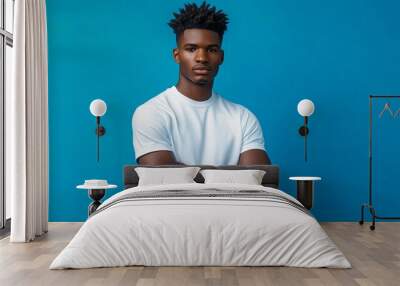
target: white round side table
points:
(305, 190)
(96, 191)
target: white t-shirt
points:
(210, 132)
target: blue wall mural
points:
(277, 52)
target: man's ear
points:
(175, 54)
(222, 57)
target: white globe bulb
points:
(98, 107)
(305, 107)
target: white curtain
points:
(27, 124)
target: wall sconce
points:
(305, 109)
(98, 108)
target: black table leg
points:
(96, 195)
(305, 193)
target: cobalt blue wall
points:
(276, 53)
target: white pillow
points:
(163, 176)
(248, 177)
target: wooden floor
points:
(375, 257)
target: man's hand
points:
(254, 157)
(158, 158)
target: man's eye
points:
(213, 50)
(192, 49)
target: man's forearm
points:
(254, 157)
(158, 158)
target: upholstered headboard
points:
(270, 179)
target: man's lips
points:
(201, 70)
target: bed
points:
(198, 224)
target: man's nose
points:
(201, 56)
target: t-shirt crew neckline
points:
(193, 102)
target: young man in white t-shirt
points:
(189, 123)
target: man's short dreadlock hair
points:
(199, 17)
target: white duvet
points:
(200, 231)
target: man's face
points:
(199, 55)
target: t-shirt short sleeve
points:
(252, 133)
(150, 131)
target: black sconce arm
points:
(100, 131)
(303, 130)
